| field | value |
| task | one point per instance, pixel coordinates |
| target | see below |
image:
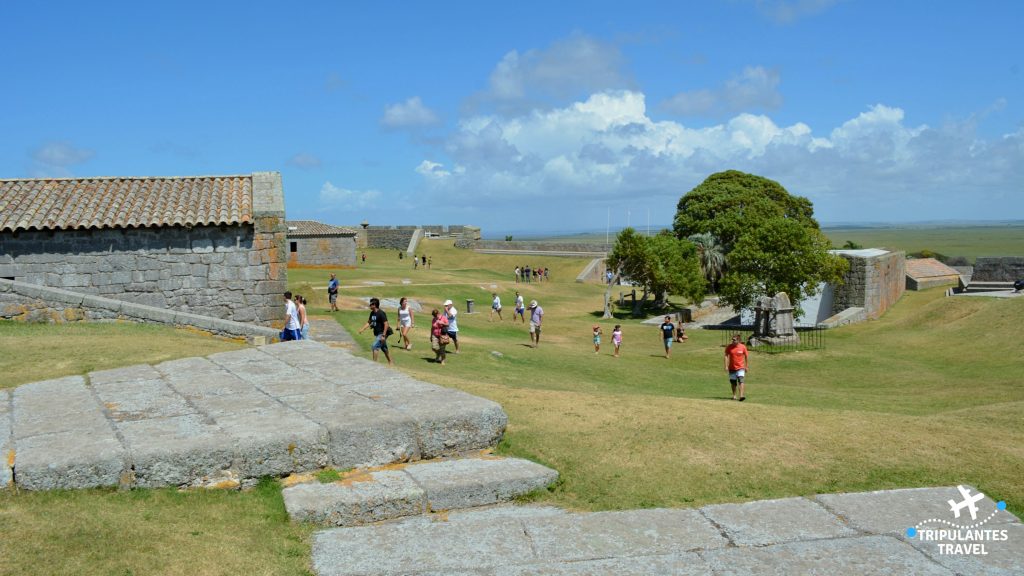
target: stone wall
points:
(931, 282)
(873, 283)
(25, 302)
(534, 246)
(230, 272)
(1007, 269)
(323, 250)
(388, 238)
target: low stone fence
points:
(1006, 269)
(34, 303)
(597, 249)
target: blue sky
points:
(529, 116)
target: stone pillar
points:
(270, 246)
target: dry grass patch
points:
(33, 352)
(94, 532)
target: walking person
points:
(332, 292)
(439, 338)
(430, 262)
(415, 262)
(520, 309)
(597, 338)
(668, 333)
(617, 339)
(405, 321)
(536, 318)
(736, 364)
(517, 274)
(291, 319)
(300, 304)
(378, 322)
(526, 274)
(495, 307)
(453, 323)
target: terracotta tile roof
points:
(918, 268)
(314, 228)
(124, 202)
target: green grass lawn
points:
(928, 395)
(969, 241)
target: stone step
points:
(231, 418)
(862, 533)
(365, 496)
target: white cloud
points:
(409, 114)
(756, 88)
(305, 161)
(55, 159)
(606, 148)
(334, 198)
(569, 68)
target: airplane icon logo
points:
(967, 502)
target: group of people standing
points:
(528, 275)
(296, 323)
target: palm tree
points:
(711, 256)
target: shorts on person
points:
(380, 343)
(495, 307)
(668, 342)
(333, 297)
(534, 327)
(737, 375)
(597, 339)
(290, 334)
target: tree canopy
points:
(730, 204)
(780, 256)
(771, 240)
(659, 265)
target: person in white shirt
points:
(495, 307)
(291, 320)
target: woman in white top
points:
(405, 321)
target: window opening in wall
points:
(294, 246)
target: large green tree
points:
(780, 256)
(772, 242)
(730, 204)
(660, 265)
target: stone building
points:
(207, 245)
(312, 243)
(924, 273)
(875, 281)
(999, 269)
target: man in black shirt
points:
(378, 321)
(668, 333)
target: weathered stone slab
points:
(175, 451)
(363, 433)
(683, 564)
(415, 547)
(196, 378)
(60, 405)
(631, 533)
(896, 510)
(997, 558)
(87, 458)
(6, 440)
(274, 441)
(775, 521)
(269, 374)
(449, 421)
(359, 499)
(140, 399)
(62, 439)
(867, 556)
(469, 482)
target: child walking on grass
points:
(597, 338)
(617, 338)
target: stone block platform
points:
(229, 417)
(857, 534)
(365, 496)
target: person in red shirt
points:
(736, 365)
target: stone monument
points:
(773, 322)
